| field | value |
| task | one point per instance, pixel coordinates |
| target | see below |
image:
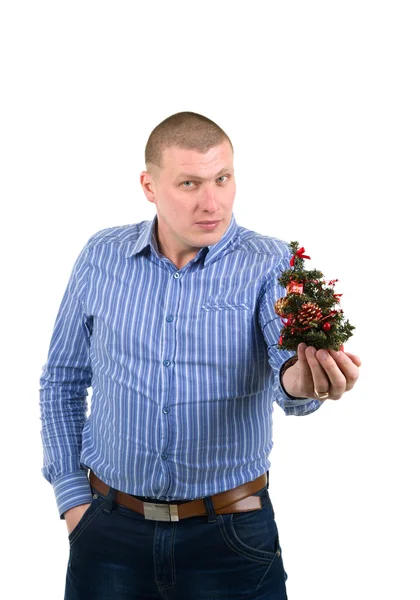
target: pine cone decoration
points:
(308, 313)
(281, 306)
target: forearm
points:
(65, 379)
(63, 408)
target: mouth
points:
(208, 225)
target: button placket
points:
(173, 292)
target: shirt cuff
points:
(306, 406)
(71, 490)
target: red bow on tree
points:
(300, 254)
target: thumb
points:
(303, 361)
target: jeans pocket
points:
(88, 516)
(253, 534)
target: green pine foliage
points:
(316, 291)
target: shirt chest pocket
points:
(233, 302)
(225, 330)
(223, 337)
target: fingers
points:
(321, 381)
(348, 363)
(354, 358)
(336, 372)
(342, 372)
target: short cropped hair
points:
(187, 130)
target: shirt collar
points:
(147, 238)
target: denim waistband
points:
(158, 500)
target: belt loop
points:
(268, 479)
(208, 502)
(109, 500)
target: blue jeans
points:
(118, 554)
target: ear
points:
(148, 185)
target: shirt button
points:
(166, 362)
(170, 318)
(176, 275)
(164, 456)
(165, 410)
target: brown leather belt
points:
(238, 499)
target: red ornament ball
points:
(326, 326)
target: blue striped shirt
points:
(183, 364)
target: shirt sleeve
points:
(65, 379)
(271, 326)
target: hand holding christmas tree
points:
(308, 311)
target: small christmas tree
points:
(307, 311)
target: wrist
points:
(287, 378)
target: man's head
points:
(190, 178)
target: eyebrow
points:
(189, 176)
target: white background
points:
(321, 102)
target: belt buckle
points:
(160, 512)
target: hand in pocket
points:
(74, 515)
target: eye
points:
(189, 187)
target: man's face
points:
(191, 187)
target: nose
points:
(209, 200)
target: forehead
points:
(182, 161)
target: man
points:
(164, 486)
